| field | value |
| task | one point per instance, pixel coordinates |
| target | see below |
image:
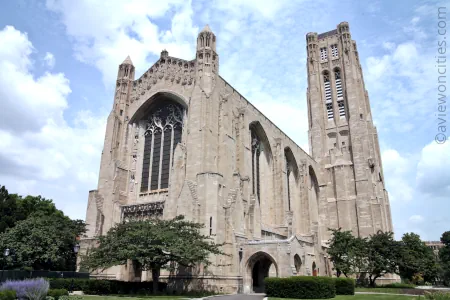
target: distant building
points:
(436, 246)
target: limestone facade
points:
(181, 140)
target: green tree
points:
(29, 205)
(382, 255)
(416, 258)
(347, 252)
(153, 244)
(444, 257)
(15, 208)
(8, 210)
(339, 245)
(42, 242)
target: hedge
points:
(301, 287)
(57, 293)
(105, 287)
(344, 286)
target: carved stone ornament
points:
(142, 211)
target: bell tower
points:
(342, 136)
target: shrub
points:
(31, 289)
(7, 295)
(418, 279)
(344, 286)
(98, 287)
(301, 287)
(105, 287)
(398, 285)
(69, 284)
(57, 293)
(437, 296)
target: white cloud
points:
(400, 84)
(41, 99)
(433, 170)
(105, 33)
(40, 153)
(396, 168)
(49, 60)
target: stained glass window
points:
(162, 134)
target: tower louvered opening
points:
(339, 93)
(328, 98)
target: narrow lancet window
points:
(210, 226)
(323, 54)
(288, 172)
(256, 153)
(334, 51)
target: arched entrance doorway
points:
(260, 265)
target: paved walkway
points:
(376, 293)
(239, 297)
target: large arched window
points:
(291, 177)
(162, 134)
(262, 173)
(313, 197)
(261, 164)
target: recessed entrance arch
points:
(259, 266)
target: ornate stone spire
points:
(206, 39)
(126, 69)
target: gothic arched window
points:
(291, 176)
(162, 134)
(256, 152)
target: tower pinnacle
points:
(206, 39)
(127, 61)
(206, 29)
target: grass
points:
(381, 290)
(85, 297)
(366, 297)
(392, 290)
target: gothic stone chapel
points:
(180, 140)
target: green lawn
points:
(366, 297)
(133, 298)
(391, 290)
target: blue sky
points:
(59, 59)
